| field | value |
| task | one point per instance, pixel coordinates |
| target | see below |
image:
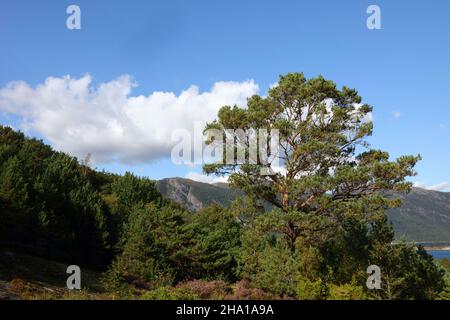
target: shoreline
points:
(437, 248)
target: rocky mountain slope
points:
(195, 195)
(424, 216)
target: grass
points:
(23, 276)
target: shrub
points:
(348, 291)
(445, 294)
(170, 293)
(243, 291)
(207, 289)
(312, 290)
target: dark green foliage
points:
(330, 173)
(445, 295)
(446, 264)
(308, 232)
(214, 235)
(330, 199)
(161, 245)
(48, 205)
(133, 191)
(424, 215)
(56, 207)
(71, 211)
(407, 273)
(123, 194)
(149, 247)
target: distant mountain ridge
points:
(194, 195)
(424, 216)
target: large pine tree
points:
(330, 194)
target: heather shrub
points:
(243, 291)
(207, 289)
(169, 293)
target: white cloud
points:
(10, 126)
(205, 178)
(437, 187)
(273, 85)
(111, 124)
(108, 122)
(368, 117)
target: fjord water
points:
(440, 254)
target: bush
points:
(243, 291)
(312, 290)
(207, 289)
(170, 293)
(445, 294)
(348, 291)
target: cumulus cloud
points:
(205, 178)
(437, 187)
(110, 123)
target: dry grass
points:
(27, 277)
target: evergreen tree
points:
(214, 243)
(333, 189)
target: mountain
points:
(195, 195)
(424, 215)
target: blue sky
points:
(403, 70)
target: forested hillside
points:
(424, 215)
(52, 205)
(316, 240)
(55, 207)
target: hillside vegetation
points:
(423, 217)
(323, 228)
